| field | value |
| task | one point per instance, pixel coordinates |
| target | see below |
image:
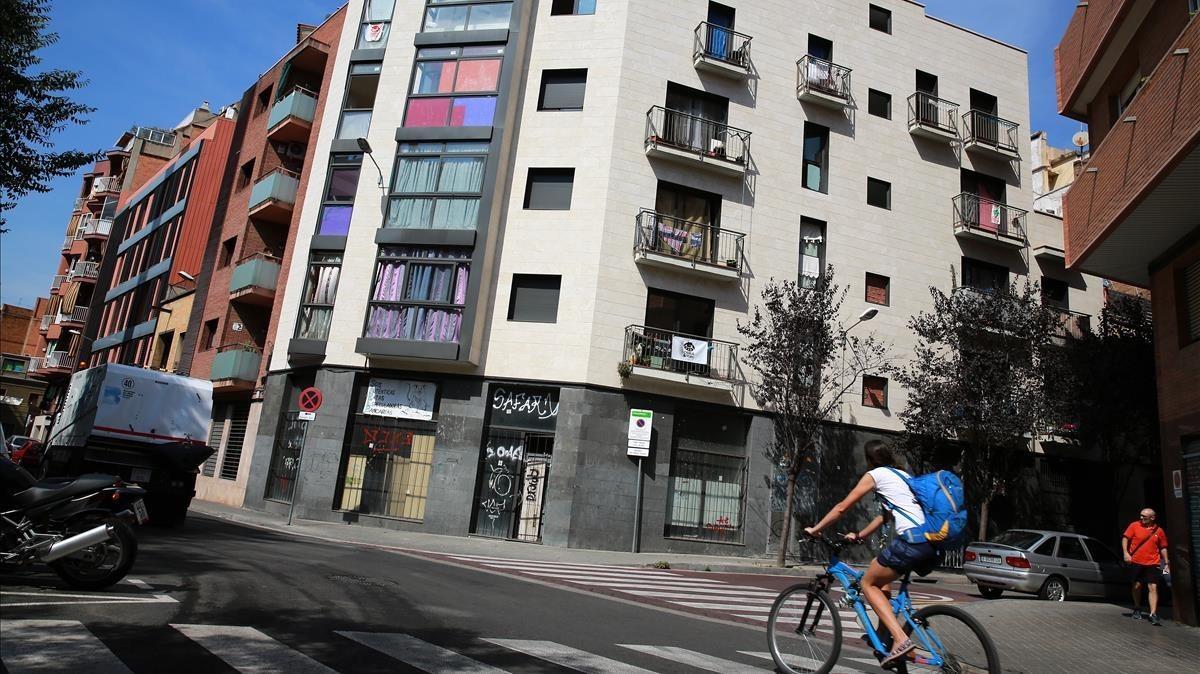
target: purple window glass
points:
(335, 220)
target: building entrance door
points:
(512, 491)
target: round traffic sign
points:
(311, 399)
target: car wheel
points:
(1054, 589)
(990, 592)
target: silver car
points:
(1050, 564)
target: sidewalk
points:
(464, 545)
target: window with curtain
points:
(337, 205)
(812, 252)
(320, 291)
(454, 86)
(443, 16)
(419, 293)
(437, 186)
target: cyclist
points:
(900, 556)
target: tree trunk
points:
(983, 518)
(785, 535)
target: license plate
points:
(140, 475)
(989, 559)
(139, 510)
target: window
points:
(1101, 553)
(228, 427)
(359, 101)
(419, 293)
(563, 7)
(245, 174)
(455, 86)
(562, 89)
(227, 248)
(880, 19)
(1046, 548)
(874, 391)
(163, 350)
(320, 291)
(983, 276)
(13, 365)
(878, 289)
(1055, 293)
(338, 204)
(879, 104)
(1070, 547)
(209, 336)
(264, 101)
(706, 498)
(474, 16)
(437, 186)
(549, 189)
(386, 465)
(534, 298)
(377, 20)
(1189, 308)
(1193, 6)
(815, 175)
(879, 193)
(812, 252)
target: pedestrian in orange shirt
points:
(1145, 548)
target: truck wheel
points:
(169, 512)
(100, 565)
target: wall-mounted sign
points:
(524, 407)
(400, 399)
(641, 426)
(1177, 483)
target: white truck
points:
(145, 426)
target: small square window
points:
(264, 101)
(534, 298)
(878, 289)
(881, 19)
(567, 7)
(874, 391)
(549, 189)
(879, 104)
(209, 336)
(227, 247)
(245, 174)
(562, 89)
(879, 193)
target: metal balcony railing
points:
(693, 241)
(152, 135)
(76, 315)
(823, 77)
(1073, 324)
(258, 270)
(981, 127)
(57, 359)
(702, 136)
(930, 111)
(716, 42)
(680, 353)
(105, 184)
(68, 241)
(83, 269)
(79, 204)
(972, 211)
(47, 319)
(35, 364)
(57, 281)
(94, 226)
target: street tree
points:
(794, 344)
(976, 385)
(33, 106)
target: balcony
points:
(68, 241)
(932, 117)
(991, 135)
(153, 135)
(56, 362)
(822, 82)
(85, 271)
(696, 141)
(47, 319)
(80, 204)
(274, 196)
(74, 318)
(254, 279)
(980, 218)
(291, 116)
(235, 367)
(106, 186)
(57, 282)
(686, 359)
(706, 250)
(1073, 324)
(92, 227)
(721, 51)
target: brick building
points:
(1128, 69)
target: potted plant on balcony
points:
(625, 368)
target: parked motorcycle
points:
(79, 526)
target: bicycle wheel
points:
(804, 631)
(959, 640)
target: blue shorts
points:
(902, 556)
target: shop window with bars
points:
(437, 186)
(706, 497)
(235, 437)
(419, 293)
(320, 291)
(454, 86)
(385, 468)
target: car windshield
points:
(1018, 539)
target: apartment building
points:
(1123, 67)
(21, 396)
(220, 330)
(531, 219)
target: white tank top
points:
(895, 495)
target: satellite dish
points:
(1080, 139)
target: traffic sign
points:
(311, 399)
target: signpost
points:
(640, 431)
(310, 400)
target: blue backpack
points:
(941, 497)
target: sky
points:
(150, 62)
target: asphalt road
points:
(215, 596)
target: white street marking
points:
(467, 558)
(48, 645)
(693, 659)
(420, 654)
(250, 651)
(704, 593)
(582, 661)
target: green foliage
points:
(33, 106)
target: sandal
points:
(898, 653)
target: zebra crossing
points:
(51, 645)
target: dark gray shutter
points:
(1191, 299)
(215, 434)
(563, 89)
(534, 298)
(549, 189)
(237, 437)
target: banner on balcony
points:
(689, 350)
(682, 241)
(400, 399)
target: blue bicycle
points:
(805, 627)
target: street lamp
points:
(366, 148)
(866, 315)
